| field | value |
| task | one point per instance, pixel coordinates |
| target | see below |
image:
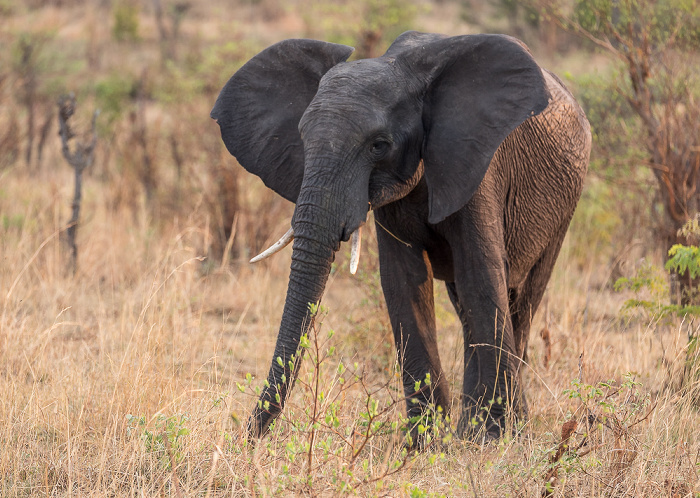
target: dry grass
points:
(142, 331)
(152, 337)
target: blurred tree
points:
(520, 15)
(30, 66)
(168, 35)
(125, 15)
(79, 158)
(26, 65)
(655, 44)
(379, 21)
(368, 25)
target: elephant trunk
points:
(315, 244)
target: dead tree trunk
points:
(27, 65)
(168, 37)
(43, 135)
(80, 158)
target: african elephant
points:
(472, 158)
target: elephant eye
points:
(379, 148)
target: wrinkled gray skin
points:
(472, 158)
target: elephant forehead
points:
(344, 118)
(360, 79)
(348, 110)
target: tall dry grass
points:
(145, 329)
(124, 380)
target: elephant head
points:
(339, 138)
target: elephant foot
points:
(482, 420)
(483, 423)
(479, 430)
(261, 419)
(427, 427)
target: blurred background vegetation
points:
(154, 68)
(164, 315)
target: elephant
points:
(472, 158)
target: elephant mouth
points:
(288, 237)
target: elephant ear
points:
(479, 89)
(259, 109)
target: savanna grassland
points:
(133, 373)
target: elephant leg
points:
(471, 368)
(472, 372)
(491, 362)
(525, 301)
(407, 282)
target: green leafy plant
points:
(323, 438)
(115, 95)
(653, 297)
(684, 259)
(650, 286)
(610, 402)
(165, 439)
(651, 291)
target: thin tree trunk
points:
(72, 230)
(30, 126)
(43, 135)
(80, 158)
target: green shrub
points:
(614, 206)
(126, 21)
(650, 284)
(165, 439)
(114, 94)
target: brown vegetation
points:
(124, 379)
(655, 43)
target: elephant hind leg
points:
(524, 301)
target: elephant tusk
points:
(276, 247)
(355, 250)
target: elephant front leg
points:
(491, 375)
(407, 281)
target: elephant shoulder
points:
(556, 87)
(564, 107)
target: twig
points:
(387, 231)
(551, 479)
(644, 417)
(212, 472)
(315, 328)
(229, 242)
(471, 480)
